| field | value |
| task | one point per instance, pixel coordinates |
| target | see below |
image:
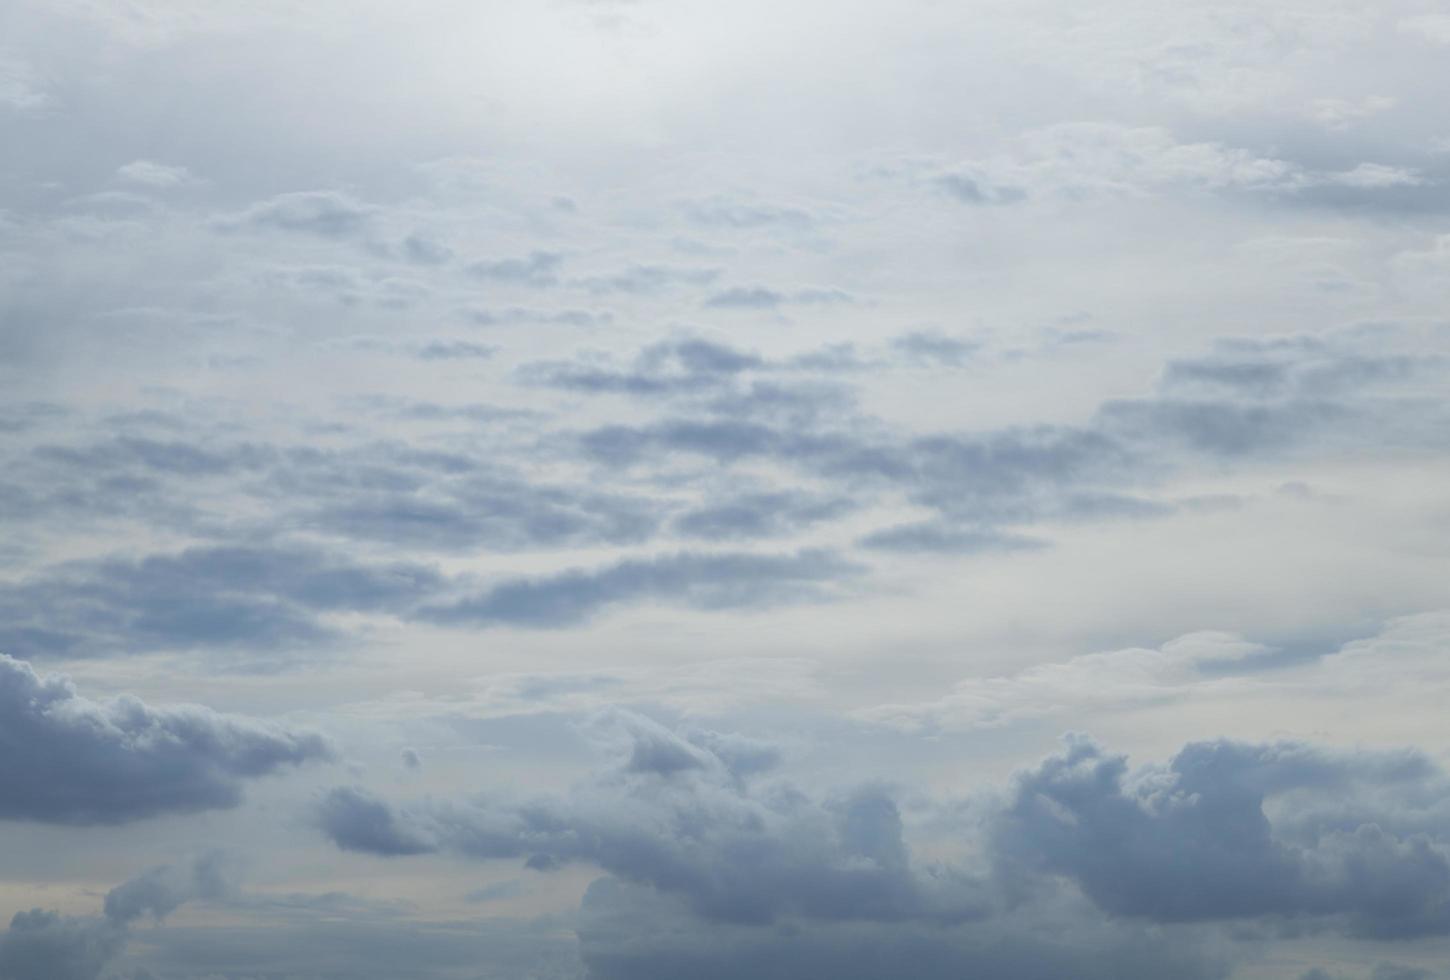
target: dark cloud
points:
(702, 581)
(76, 761)
(1193, 842)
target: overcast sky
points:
(641, 489)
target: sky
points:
(627, 489)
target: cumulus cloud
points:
(1192, 841)
(677, 812)
(78, 761)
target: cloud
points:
(628, 932)
(453, 350)
(698, 580)
(149, 173)
(256, 597)
(42, 945)
(687, 365)
(422, 250)
(159, 891)
(758, 515)
(535, 269)
(643, 279)
(726, 213)
(764, 298)
(677, 813)
(1192, 841)
(328, 214)
(932, 348)
(1225, 832)
(937, 537)
(20, 89)
(81, 762)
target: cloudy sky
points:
(635, 489)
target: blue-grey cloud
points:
(536, 269)
(44, 945)
(628, 932)
(77, 761)
(697, 580)
(220, 596)
(330, 214)
(678, 814)
(1194, 842)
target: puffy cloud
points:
(678, 813)
(1193, 841)
(76, 761)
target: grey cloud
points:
(535, 269)
(976, 190)
(758, 515)
(42, 945)
(159, 891)
(422, 250)
(943, 538)
(702, 581)
(929, 347)
(356, 821)
(725, 213)
(680, 816)
(77, 761)
(452, 350)
(521, 314)
(221, 596)
(763, 298)
(628, 932)
(638, 279)
(1193, 842)
(501, 510)
(330, 214)
(687, 365)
